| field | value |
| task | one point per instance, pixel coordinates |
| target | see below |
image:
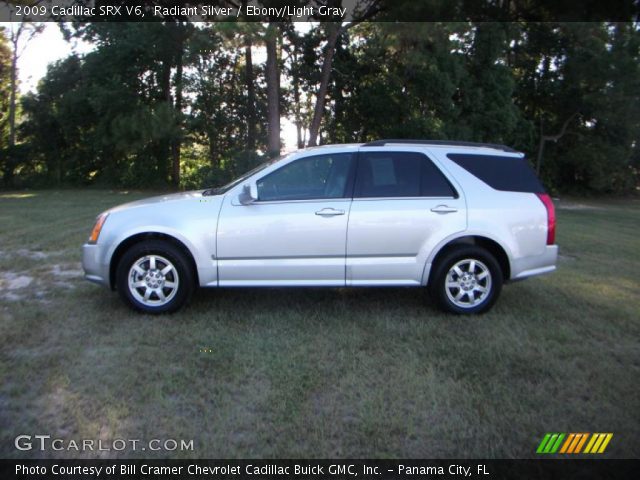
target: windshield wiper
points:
(211, 191)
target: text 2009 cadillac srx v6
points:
(458, 218)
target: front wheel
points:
(154, 277)
(467, 280)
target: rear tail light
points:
(551, 217)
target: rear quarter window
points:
(400, 174)
(509, 174)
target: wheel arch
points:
(492, 246)
(132, 240)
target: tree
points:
(5, 88)
(179, 34)
(58, 125)
(571, 86)
(333, 32)
(249, 78)
(412, 90)
(545, 138)
(273, 89)
(302, 74)
(186, 105)
(20, 34)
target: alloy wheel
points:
(153, 280)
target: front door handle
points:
(442, 209)
(329, 212)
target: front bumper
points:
(95, 268)
(535, 265)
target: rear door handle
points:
(329, 212)
(442, 209)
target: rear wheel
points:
(154, 277)
(466, 280)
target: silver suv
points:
(459, 218)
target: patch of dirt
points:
(16, 286)
(63, 270)
(14, 281)
(32, 254)
(10, 297)
(11, 284)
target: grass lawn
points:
(312, 372)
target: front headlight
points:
(97, 228)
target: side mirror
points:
(249, 194)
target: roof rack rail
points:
(382, 143)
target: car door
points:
(295, 232)
(403, 206)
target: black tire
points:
(469, 286)
(176, 284)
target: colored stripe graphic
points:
(605, 443)
(543, 443)
(592, 441)
(598, 443)
(567, 443)
(555, 447)
(581, 443)
(572, 443)
(576, 443)
(550, 443)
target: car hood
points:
(163, 199)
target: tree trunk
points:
(295, 81)
(335, 133)
(177, 142)
(213, 148)
(162, 147)
(9, 161)
(251, 97)
(273, 92)
(12, 97)
(14, 37)
(550, 138)
(318, 111)
(298, 119)
(540, 155)
(335, 29)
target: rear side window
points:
(400, 174)
(509, 174)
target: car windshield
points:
(242, 178)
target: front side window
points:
(400, 174)
(318, 177)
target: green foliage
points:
(428, 81)
(565, 93)
(199, 175)
(216, 87)
(587, 74)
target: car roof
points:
(450, 146)
(440, 143)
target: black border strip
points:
(310, 469)
(322, 10)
